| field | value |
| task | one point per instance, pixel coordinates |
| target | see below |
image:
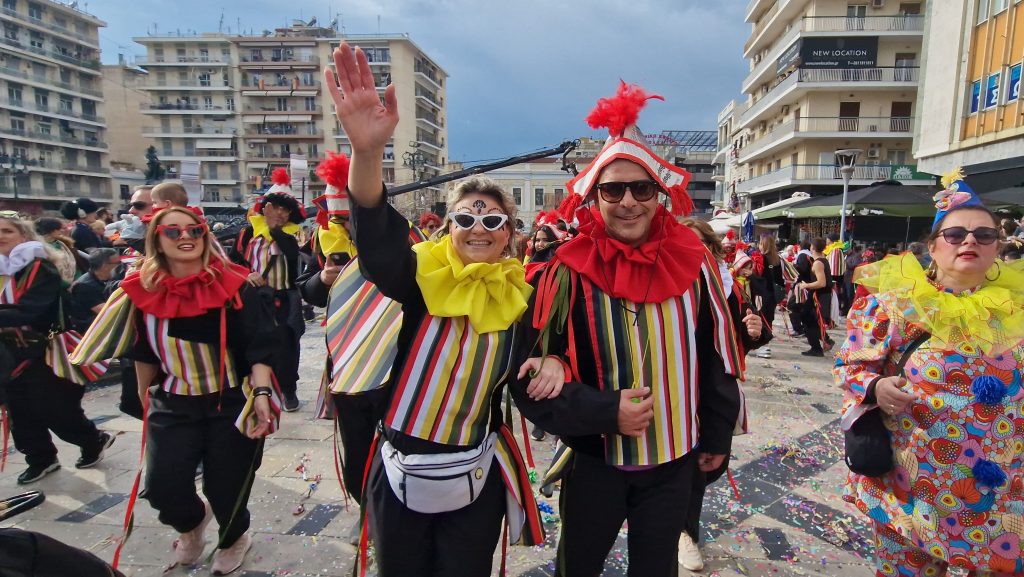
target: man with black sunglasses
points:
(629, 305)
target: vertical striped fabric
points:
(260, 253)
(191, 368)
(7, 290)
(653, 345)
(111, 334)
(837, 262)
(362, 333)
(444, 391)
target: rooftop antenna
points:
(220, 25)
(378, 25)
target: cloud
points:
(524, 73)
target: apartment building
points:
(123, 92)
(536, 186)
(53, 141)
(244, 105)
(827, 75)
(725, 160)
(970, 92)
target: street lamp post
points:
(846, 160)
(14, 171)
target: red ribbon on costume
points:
(129, 513)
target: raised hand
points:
(367, 122)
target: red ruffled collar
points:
(190, 296)
(665, 266)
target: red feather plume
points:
(334, 170)
(280, 176)
(617, 112)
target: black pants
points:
(40, 402)
(812, 324)
(701, 481)
(358, 416)
(288, 314)
(596, 498)
(185, 431)
(458, 543)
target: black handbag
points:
(867, 443)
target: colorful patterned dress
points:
(957, 488)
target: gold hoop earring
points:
(999, 271)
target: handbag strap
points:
(913, 346)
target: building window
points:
(35, 11)
(204, 79)
(126, 192)
(310, 102)
(983, 7)
(517, 195)
(66, 104)
(999, 6)
(388, 174)
(538, 197)
(212, 194)
(10, 32)
(14, 94)
(11, 4)
(975, 96)
(44, 128)
(992, 91)
(559, 195)
(1013, 83)
(230, 101)
(204, 55)
(35, 39)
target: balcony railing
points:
(902, 23)
(93, 142)
(63, 29)
(283, 131)
(796, 173)
(202, 152)
(29, 163)
(172, 84)
(882, 125)
(191, 130)
(306, 58)
(143, 60)
(280, 85)
(58, 111)
(761, 24)
(181, 106)
(273, 109)
(810, 76)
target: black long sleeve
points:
(37, 306)
(381, 235)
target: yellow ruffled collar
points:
(991, 318)
(260, 228)
(842, 246)
(492, 295)
(334, 238)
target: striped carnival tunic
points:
(265, 258)
(685, 349)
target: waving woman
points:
(461, 295)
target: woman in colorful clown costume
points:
(461, 295)
(955, 496)
(270, 250)
(203, 344)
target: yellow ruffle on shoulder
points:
(260, 228)
(492, 295)
(990, 318)
(334, 239)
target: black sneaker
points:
(91, 458)
(537, 433)
(36, 472)
(291, 402)
(813, 353)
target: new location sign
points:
(856, 52)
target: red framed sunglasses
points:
(174, 232)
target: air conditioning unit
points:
(874, 152)
(878, 3)
(785, 110)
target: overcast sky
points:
(523, 74)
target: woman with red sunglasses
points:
(203, 342)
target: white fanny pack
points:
(438, 483)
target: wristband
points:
(262, 392)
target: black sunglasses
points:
(466, 221)
(643, 190)
(139, 205)
(984, 235)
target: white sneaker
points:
(689, 554)
(763, 353)
(188, 548)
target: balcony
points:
(187, 85)
(284, 59)
(284, 132)
(913, 23)
(49, 82)
(429, 97)
(34, 108)
(181, 108)
(201, 154)
(48, 137)
(274, 109)
(181, 60)
(190, 131)
(752, 7)
(51, 27)
(826, 127)
(797, 83)
(828, 175)
(43, 164)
